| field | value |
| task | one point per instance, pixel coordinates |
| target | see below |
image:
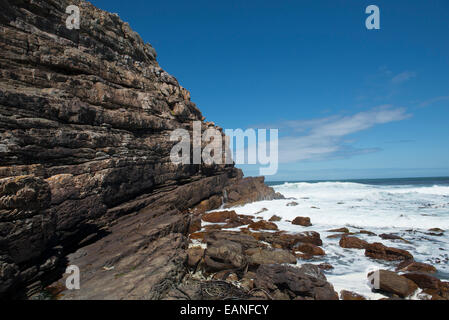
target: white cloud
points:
(327, 137)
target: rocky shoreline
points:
(85, 123)
(259, 258)
(86, 180)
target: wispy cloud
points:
(433, 101)
(403, 77)
(326, 138)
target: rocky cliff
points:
(85, 119)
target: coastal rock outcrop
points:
(304, 283)
(85, 123)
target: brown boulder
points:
(302, 221)
(379, 251)
(275, 218)
(263, 225)
(353, 242)
(220, 216)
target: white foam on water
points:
(406, 210)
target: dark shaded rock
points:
(379, 251)
(305, 282)
(302, 221)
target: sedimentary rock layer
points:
(85, 119)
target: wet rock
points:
(258, 256)
(379, 251)
(393, 283)
(353, 242)
(349, 295)
(305, 282)
(302, 221)
(263, 225)
(224, 255)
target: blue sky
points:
(348, 102)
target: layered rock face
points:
(85, 123)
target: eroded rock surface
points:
(85, 123)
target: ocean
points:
(405, 207)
